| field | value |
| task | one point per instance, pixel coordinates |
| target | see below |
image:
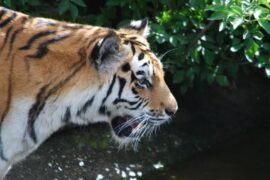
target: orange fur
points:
(20, 75)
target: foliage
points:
(205, 40)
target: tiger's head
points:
(137, 100)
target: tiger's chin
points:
(128, 131)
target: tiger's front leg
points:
(15, 141)
(14, 144)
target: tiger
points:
(54, 73)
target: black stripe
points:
(8, 20)
(144, 64)
(146, 103)
(42, 97)
(35, 110)
(1, 146)
(133, 48)
(86, 106)
(67, 116)
(134, 91)
(34, 38)
(141, 56)
(2, 13)
(109, 91)
(140, 73)
(43, 47)
(139, 43)
(92, 41)
(102, 110)
(133, 77)
(126, 67)
(6, 37)
(13, 36)
(116, 101)
(122, 83)
(12, 39)
(134, 108)
(133, 38)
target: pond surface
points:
(244, 157)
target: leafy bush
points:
(204, 41)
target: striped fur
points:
(53, 73)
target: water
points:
(243, 157)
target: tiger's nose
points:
(171, 105)
(171, 111)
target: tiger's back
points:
(53, 73)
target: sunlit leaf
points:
(222, 26)
(258, 35)
(237, 22)
(236, 47)
(236, 10)
(267, 72)
(246, 34)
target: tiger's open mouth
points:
(124, 125)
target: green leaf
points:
(208, 57)
(266, 46)
(236, 47)
(251, 49)
(63, 6)
(236, 10)
(34, 2)
(258, 35)
(265, 2)
(8, 3)
(215, 8)
(210, 78)
(257, 13)
(222, 80)
(261, 61)
(265, 25)
(73, 11)
(114, 3)
(197, 3)
(222, 26)
(246, 34)
(79, 3)
(191, 73)
(219, 15)
(179, 76)
(173, 40)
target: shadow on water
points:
(218, 134)
(244, 157)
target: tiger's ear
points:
(106, 53)
(141, 26)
